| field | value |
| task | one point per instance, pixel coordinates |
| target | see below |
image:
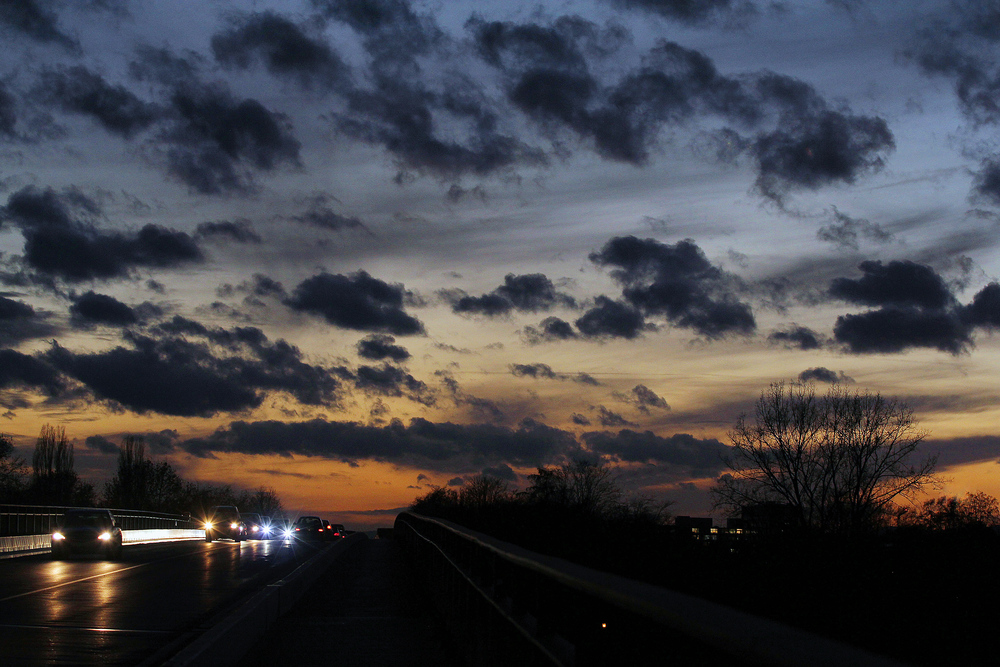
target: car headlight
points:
(58, 536)
(234, 526)
(104, 536)
(288, 534)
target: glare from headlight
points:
(105, 536)
(208, 525)
(234, 526)
(58, 536)
(288, 534)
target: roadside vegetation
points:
(139, 482)
(833, 530)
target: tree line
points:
(843, 534)
(139, 482)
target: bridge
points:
(435, 593)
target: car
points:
(336, 531)
(224, 522)
(308, 528)
(89, 531)
(253, 525)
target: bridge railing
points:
(506, 605)
(17, 520)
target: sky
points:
(357, 250)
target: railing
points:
(41, 519)
(506, 605)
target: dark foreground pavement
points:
(366, 609)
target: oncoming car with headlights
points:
(87, 531)
(253, 525)
(224, 522)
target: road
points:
(139, 609)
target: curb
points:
(228, 641)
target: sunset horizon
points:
(354, 252)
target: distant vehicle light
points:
(58, 536)
(288, 533)
(208, 525)
(105, 536)
(234, 526)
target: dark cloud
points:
(78, 90)
(449, 127)
(984, 311)
(947, 52)
(689, 11)
(281, 46)
(898, 283)
(8, 112)
(502, 471)
(22, 371)
(61, 243)
(30, 18)
(643, 398)
(821, 374)
(550, 80)
(526, 293)
(381, 346)
(609, 419)
(357, 301)
(678, 282)
(898, 328)
(391, 32)
(796, 337)
(580, 420)
(549, 329)
(238, 231)
(533, 370)
(691, 456)
(482, 408)
(388, 380)
(20, 322)
(444, 447)
(612, 319)
(258, 287)
(960, 451)
(987, 181)
(101, 444)
(212, 141)
(321, 216)
(172, 372)
(821, 149)
(846, 231)
(92, 308)
(448, 133)
(217, 143)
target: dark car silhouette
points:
(87, 531)
(224, 522)
(253, 524)
(309, 528)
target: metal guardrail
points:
(21, 545)
(508, 605)
(16, 520)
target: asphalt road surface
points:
(140, 609)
